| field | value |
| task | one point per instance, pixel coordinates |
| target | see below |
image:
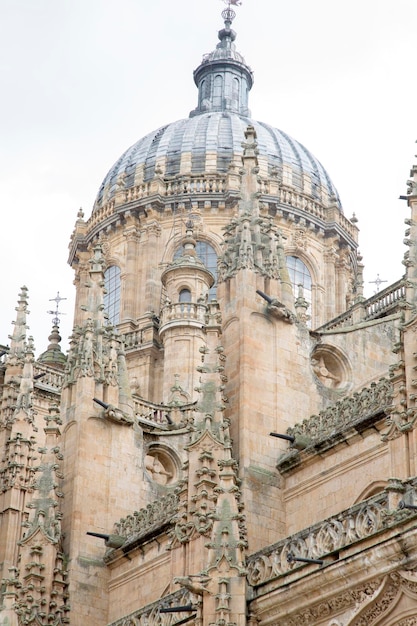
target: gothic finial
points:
(18, 338)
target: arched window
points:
(112, 295)
(300, 275)
(217, 92)
(185, 295)
(207, 254)
(235, 93)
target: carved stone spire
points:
(210, 502)
(24, 402)
(41, 585)
(90, 344)
(410, 256)
(252, 241)
(125, 393)
(18, 338)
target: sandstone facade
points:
(231, 439)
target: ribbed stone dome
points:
(210, 140)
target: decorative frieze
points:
(145, 520)
(360, 521)
(317, 612)
(345, 414)
(151, 615)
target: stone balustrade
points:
(384, 302)
(182, 311)
(195, 185)
(51, 380)
(100, 214)
(288, 196)
(179, 415)
(210, 184)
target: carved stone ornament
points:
(387, 598)
(299, 239)
(161, 466)
(358, 522)
(316, 613)
(147, 519)
(344, 414)
(150, 615)
(330, 368)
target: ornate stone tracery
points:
(359, 522)
(373, 400)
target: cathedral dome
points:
(213, 142)
(210, 140)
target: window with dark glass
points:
(207, 254)
(112, 295)
(300, 275)
(185, 295)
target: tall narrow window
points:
(235, 94)
(217, 92)
(112, 295)
(300, 275)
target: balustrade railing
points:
(382, 303)
(167, 414)
(385, 300)
(196, 185)
(183, 311)
(46, 378)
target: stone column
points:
(329, 258)
(152, 284)
(129, 277)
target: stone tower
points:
(230, 440)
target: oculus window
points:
(112, 295)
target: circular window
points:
(161, 466)
(330, 368)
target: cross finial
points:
(378, 282)
(57, 312)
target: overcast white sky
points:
(82, 80)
